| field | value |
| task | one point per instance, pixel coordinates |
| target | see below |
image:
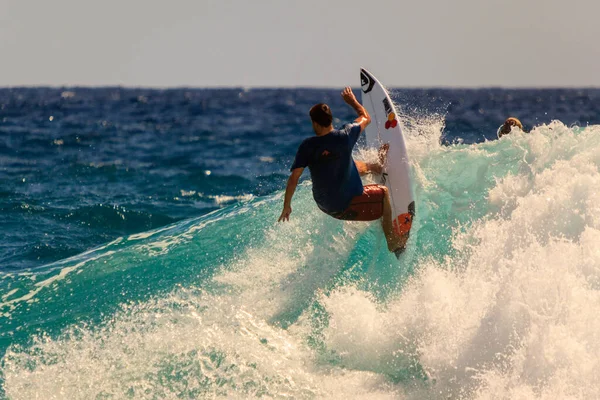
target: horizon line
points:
(270, 87)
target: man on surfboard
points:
(337, 187)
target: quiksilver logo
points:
(366, 81)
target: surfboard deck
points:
(385, 128)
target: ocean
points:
(140, 255)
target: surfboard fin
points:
(398, 252)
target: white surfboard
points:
(385, 128)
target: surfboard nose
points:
(366, 81)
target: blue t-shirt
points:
(332, 170)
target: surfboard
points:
(385, 128)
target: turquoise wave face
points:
(497, 295)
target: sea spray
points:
(498, 300)
(511, 312)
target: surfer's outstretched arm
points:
(289, 193)
(364, 118)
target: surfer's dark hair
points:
(321, 114)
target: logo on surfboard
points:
(403, 222)
(391, 116)
(366, 81)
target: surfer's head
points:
(508, 125)
(321, 117)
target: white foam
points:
(510, 312)
(513, 314)
(222, 341)
(225, 199)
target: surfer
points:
(337, 187)
(508, 125)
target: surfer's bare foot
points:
(368, 168)
(374, 168)
(377, 168)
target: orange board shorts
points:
(366, 207)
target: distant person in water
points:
(337, 187)
(508, 125)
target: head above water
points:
(321, 117)
(508, 125)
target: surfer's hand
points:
(285, 214)
(348, 96)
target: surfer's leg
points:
(366, 207)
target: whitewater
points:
(496, 297)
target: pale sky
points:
(206, 43)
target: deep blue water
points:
(80, 167)
(140, 255)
